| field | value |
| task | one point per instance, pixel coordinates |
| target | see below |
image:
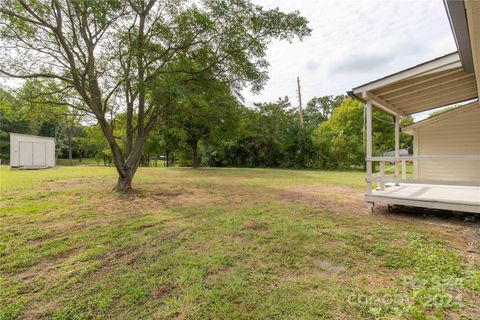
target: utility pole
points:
(300, 109)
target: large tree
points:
(135, 56)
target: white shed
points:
(31, 152)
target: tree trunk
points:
(196, 160)
(69, 137)
(124, 184)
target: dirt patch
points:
(144, 200)
(162, 292)
(473, 246)
(334, 243)
(239, 239)
(40, 310)
(254, 226)
(132, 255)
(329, 268)
(216, 274)
(338, 199)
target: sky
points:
(353, 42)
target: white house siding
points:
(455, 135)
(31, 151)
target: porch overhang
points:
(447, 80)
(436, 83)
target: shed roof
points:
(29, 135)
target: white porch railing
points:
(381, 179)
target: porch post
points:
(397, 147)
(369, 145)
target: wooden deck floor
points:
(457, 198)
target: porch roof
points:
(447, 80)
(435, 83)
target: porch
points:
(437, 83)
(434, 196)
(402, 189)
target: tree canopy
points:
(128, 81)
(138, 57)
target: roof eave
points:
(450, 59)
(458, 22)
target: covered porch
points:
(436, 83)
(447, 80)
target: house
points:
(31, 152)
(456, 131)
(446, 147)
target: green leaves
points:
(140, 58)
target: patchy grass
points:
(224, 244)
(77, 162)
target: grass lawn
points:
(224, 244)
(77, 162)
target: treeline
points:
(212, 129)
(331, 137)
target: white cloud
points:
(353, 42)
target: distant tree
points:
(439, 112)
(320, 109)
(298, 148)
(340, 139)
(24, 111)
(205, 115)
(12, 119)
(93, 144)
(171, 136)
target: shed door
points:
(39, 153)
(26, 153)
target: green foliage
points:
(265, 137)
(441, 111)
(93, 144)
(341, 139)
(137, 60)
(320, 109)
